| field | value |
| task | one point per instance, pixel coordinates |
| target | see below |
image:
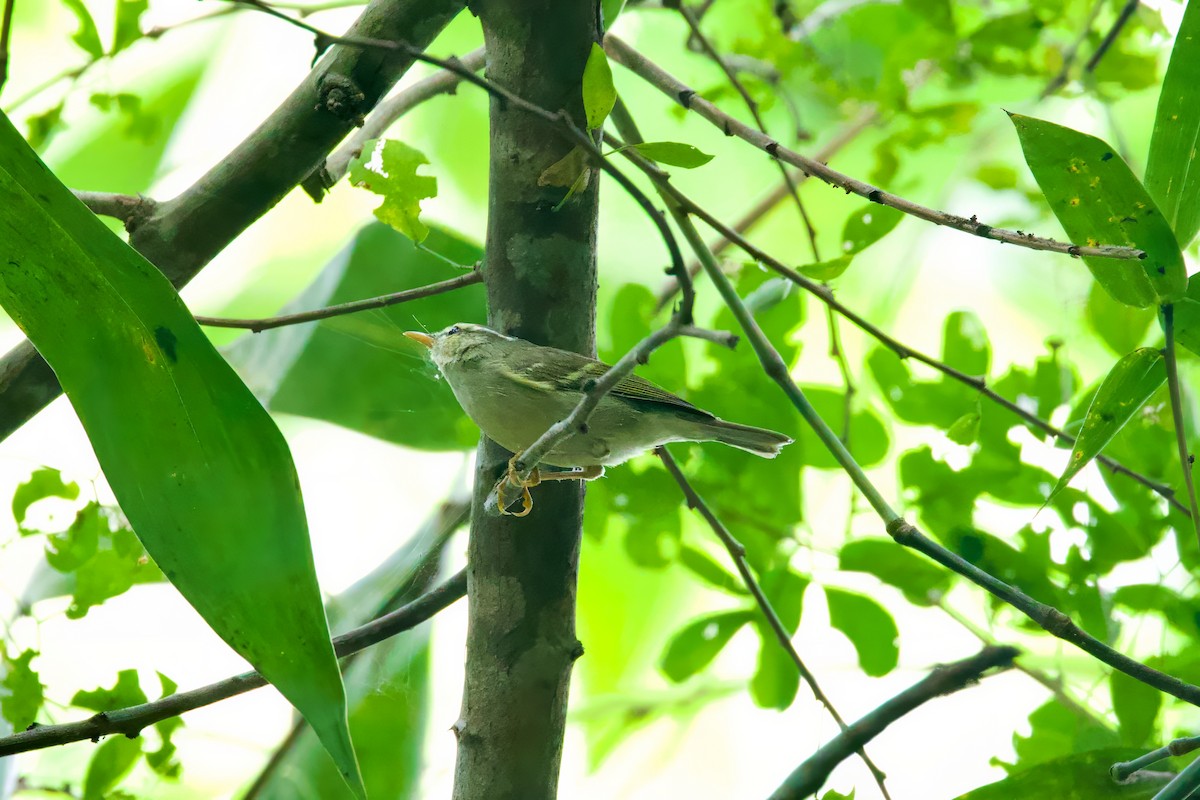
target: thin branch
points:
(131, 721)
(354, 306)
(823, 293)
(1185, 459)
(383, 117)
(867, 117)
(127, 208)
(5, 33)
(1047, 617)
(707, 47)
(1111, 37)
(560, 119)
(1184, 784)
(738, 553)
(687, 97)
(1060, 80)
(1179, 747)
(810, 776)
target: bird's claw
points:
(513, 478)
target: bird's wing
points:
(536, 372)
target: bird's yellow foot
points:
(513, 478)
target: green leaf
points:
(825, 270)
(869, 628)
(695, 645)
(127, 27)
(127, 691)
(1083, 775)
(24, 695)
(675, 154)
(1136, 706)
(868, 225)
(1187, 322)
(358, 371)
(1098, 200)
(42, 127)
(777, 679)
(610, 10)
(86, 37)
(599, 95)
(965, 344)
(216, 499)
(1125, 389)
(1120, 326)
(965, 429)
(389, 168)
(42, 483)
(704, 567)
(112, 761)
(1169, 176)
(868, 437)
(919, 580)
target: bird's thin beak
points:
(423, 338)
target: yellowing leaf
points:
(599, 95)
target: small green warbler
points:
(515, 390)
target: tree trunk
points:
(541, 281)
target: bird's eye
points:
(453, 330)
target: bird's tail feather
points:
(759, 441)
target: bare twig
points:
(738, 553)
(383, 117)
(1060, 80)
(685, 96)
(1185, 458)
(1109, 38)
(943, 680)
(131, 721)
(902, 350)
(125, 207)
(1178, 747)
(383, 301)
(867, 117)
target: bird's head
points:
(461, 342)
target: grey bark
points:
(541, 280)
(182, 235)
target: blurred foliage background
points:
(682, 690)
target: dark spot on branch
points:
(341, 97)
(772, 149)
(875, 196)
(983, 230)
(166, 342)
(1073, 250)
(685, 98)
(725, 127)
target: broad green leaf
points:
(200, 470)
(1136, 706)
(825, 270)
(1082, 776)
(920, 580)
(42, 483)
(112, 761)
(1187, 317)
(868, 225)
(1098, 200)
(869, 628)
(1055, 732)
(358, 370)
(599, 95)
(675, 154)
(965, 429)
(23, 691)
(1128, 385)
(1169, 167)
(86, 37)
(389, 168)
(868, 438)
(127, 25)
(777, 678)
(1120, 326)
(610, 10)
(695, 645)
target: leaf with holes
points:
(1126, 388)
(389, 168)
(1098, 200)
